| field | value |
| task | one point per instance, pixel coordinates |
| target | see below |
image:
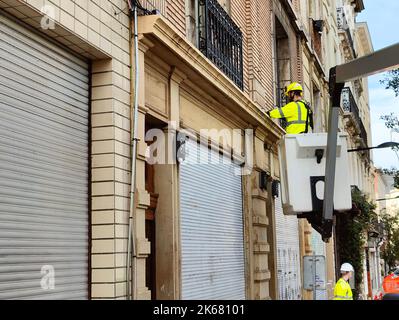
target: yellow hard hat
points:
(295, 86)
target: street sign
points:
(314, 276)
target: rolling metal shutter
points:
(43, 167)
(212, 241)
(288, 254)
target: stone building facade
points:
(212, 66)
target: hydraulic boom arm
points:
(377, 62)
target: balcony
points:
(220, 40)
(352, 113)
(344, 30)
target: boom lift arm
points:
(377, 62)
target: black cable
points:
(139, 6)
(129, 2)
(120, 10)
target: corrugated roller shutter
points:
(44, 123)
(212, 242)
(319, 248)
(288, 254)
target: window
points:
(193, 16)
(283, 62)
(319, 121)
(211, 30)
(317, 33)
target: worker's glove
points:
(268, 113)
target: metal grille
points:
(282, 100)
(288, 254)
(221, 40)
(44, 154)
(212, 235)
(349, 105)
(344, 26)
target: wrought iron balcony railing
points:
(343, 26)
(349, 105)
(220, 40)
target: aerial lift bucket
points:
(303, 165)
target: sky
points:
(383, 23)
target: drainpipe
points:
(131, 258)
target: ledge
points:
(260, 221)
(262, 275)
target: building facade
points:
(193, 79)
(383, 184)
(67, 75)
(84, 241)
(207, 216)
(320, 41)
(355, 41)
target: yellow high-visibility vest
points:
(295, 113)
(342, 290)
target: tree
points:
(390, 253)
(391, 82)
(395, 174)
(351, 231)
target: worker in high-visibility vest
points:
(342, 290)
(297, 112)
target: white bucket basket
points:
(303, 174)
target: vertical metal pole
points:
(129, 241)
(378, 266)
(314, 276)
(331, 157)
(131, 266)
(331, 154)
(134, 153)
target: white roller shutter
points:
(212, 242)
(44, 154)
(288, 254)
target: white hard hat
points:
(347, 267)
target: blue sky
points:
(383, 23)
